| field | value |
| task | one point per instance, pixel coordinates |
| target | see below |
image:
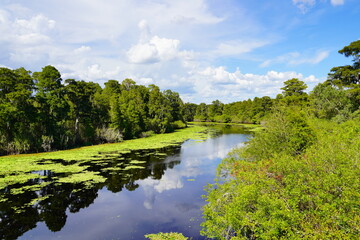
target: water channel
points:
(163, 196)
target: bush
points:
(109, 135)
(313, 194)
(46, 142)
(286, 131)
(178, 124)
(147, 134)
(222, 118)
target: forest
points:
(38, 112)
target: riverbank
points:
(248, 126)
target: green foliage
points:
(159, 111)
(330, 102)
(39, 113)
(189, 111)
(18, 168)
(272, 194)
(178, 125)
(166, 236)
(294, 87)
(349, 75)
(286, 131)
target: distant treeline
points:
(40, 112)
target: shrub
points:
(109, 135)
(46, 143)
(313, 194)
(178, 124)
(147, 134)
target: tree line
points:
(41, 112)
(337, 98)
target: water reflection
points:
(167, 196)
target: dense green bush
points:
(304, 191)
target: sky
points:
(206, 50)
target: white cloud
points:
(304, 5)
(92, 41)
(337, 2)
(295, 58)
(154, 50)
(82, 49)
(38, 23)
(218, 83)
(239, 47)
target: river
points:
(164, 196)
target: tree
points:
(131, 109)
(189, 111)
(16, 110)
(51, 105)
(215, 108)
(294, 87)
(330, 102)
(160, 110)
(80, 95)
(349, 75)
(48, 80)
(201, 112)
(176, 105)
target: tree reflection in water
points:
(18, 214)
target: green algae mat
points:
(17, 169)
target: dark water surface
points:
(164, 196)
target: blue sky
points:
(229, 50)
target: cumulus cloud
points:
(218, 83)
(157, 49)
(91, 41)
(153, 50)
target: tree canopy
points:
(41, 112)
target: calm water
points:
(164, 196)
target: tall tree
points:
(176, 104)
(132, 107)
(294, 87)
(159, 111)
(80, 95)
(348, 75)
(52, 106)
(16, 111)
